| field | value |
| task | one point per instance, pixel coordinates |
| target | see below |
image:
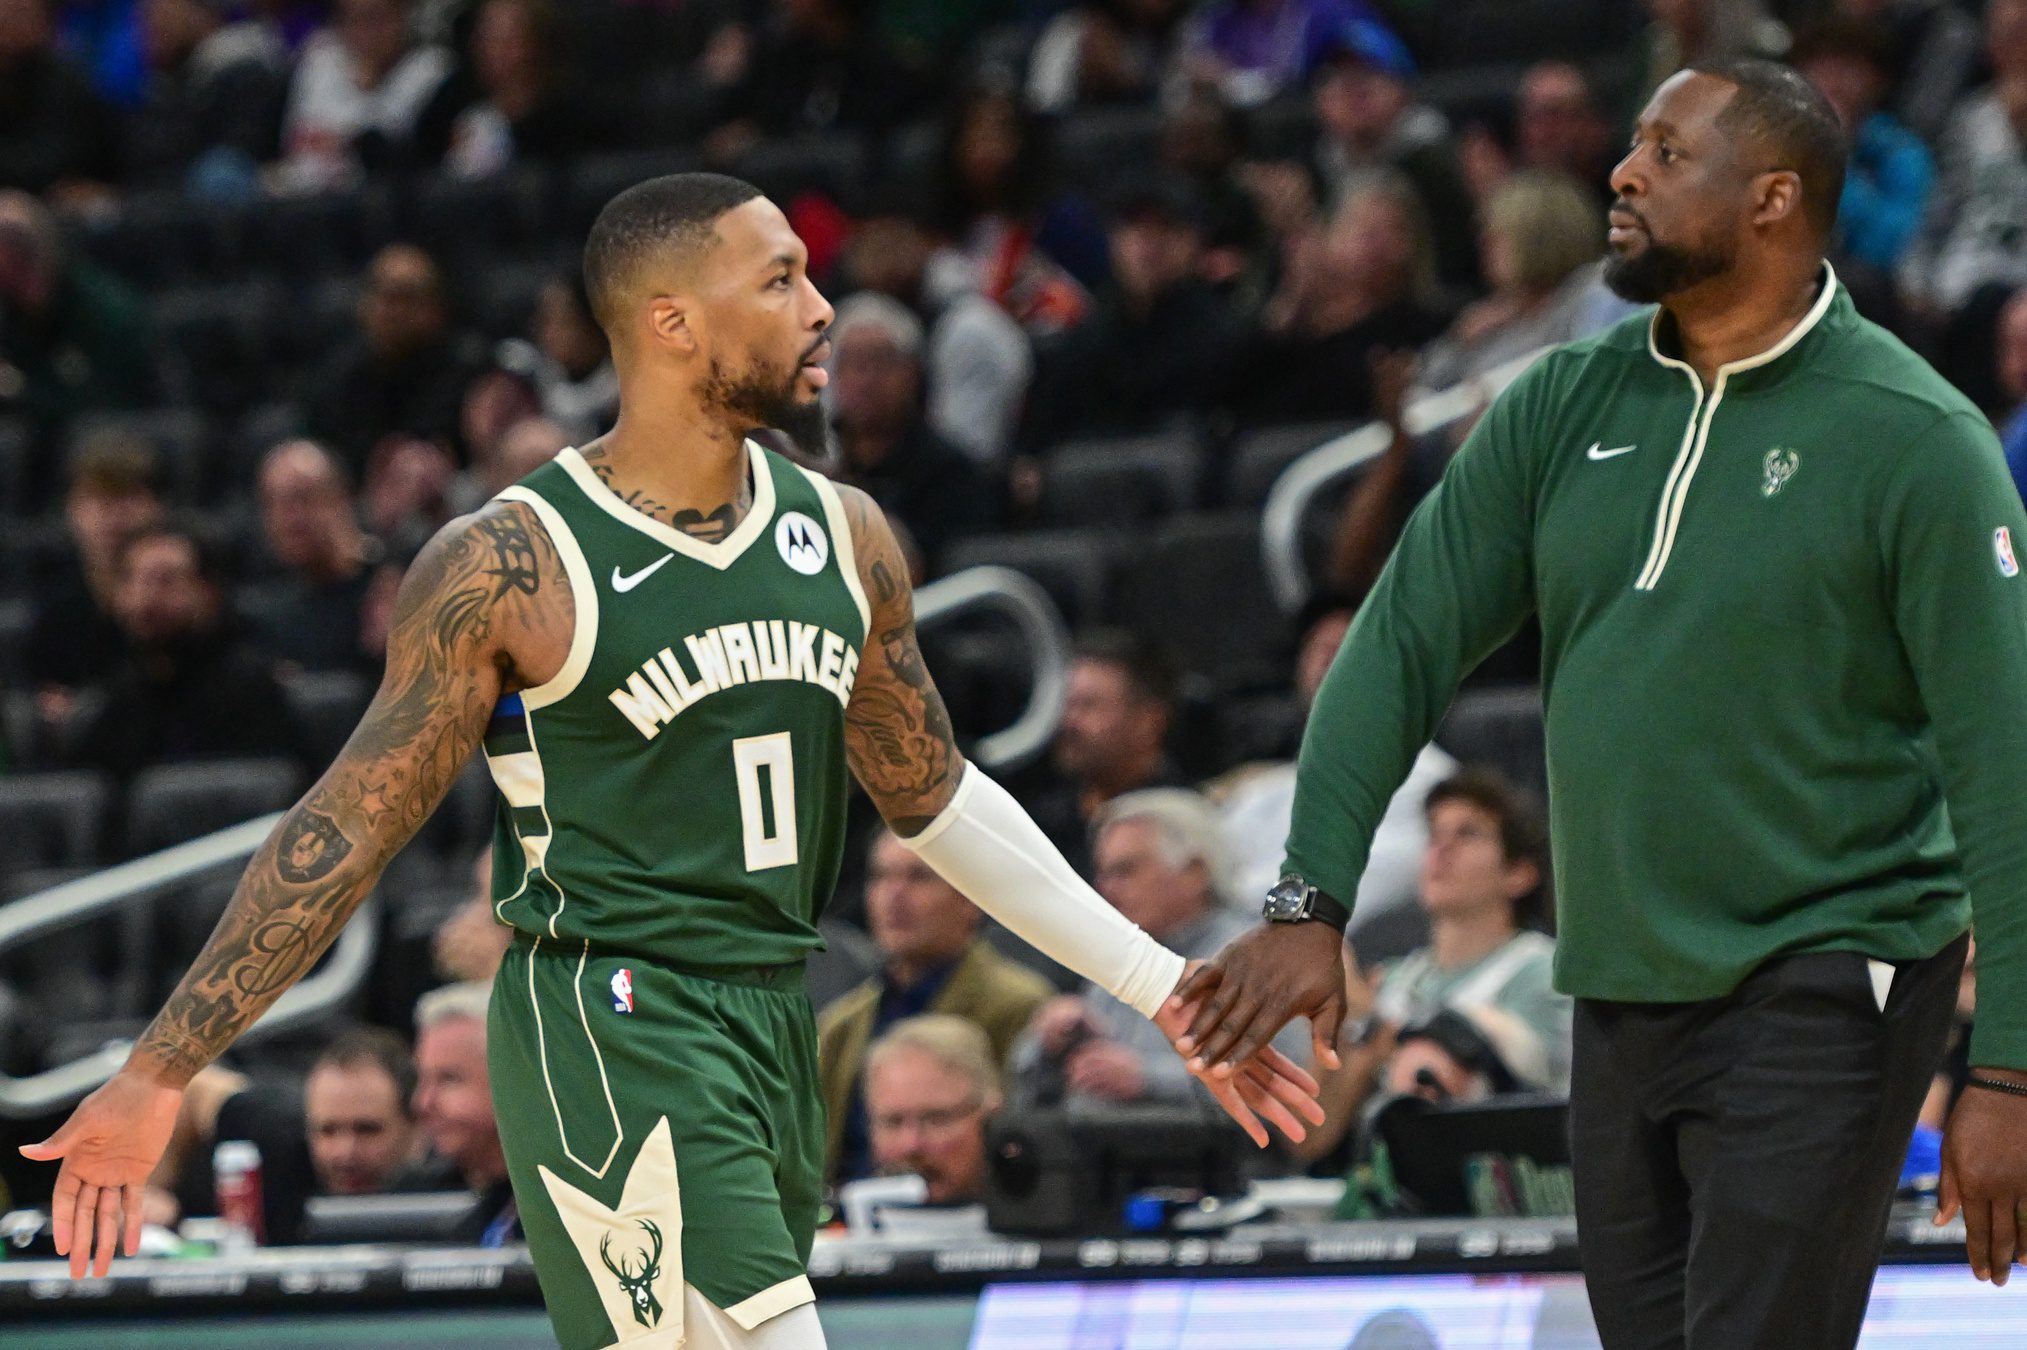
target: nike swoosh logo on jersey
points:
(623, 584)
(1597, 452)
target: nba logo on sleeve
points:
(2002, 544)
(622, 990)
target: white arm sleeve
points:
(988, 847)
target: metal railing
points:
(1288, 500)
(997, 589)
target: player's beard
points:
(1661, 270)
(764, 399)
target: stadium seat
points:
(298, 239)
(502, 213)
(1259, 457)
(1073, 566)
(1501, 727)
(595, 180)
(833, 164)
(1109, 482)
(16, 616)
(51, 820)
(848, 957)
(1195, 585)
(1097, 146)
(327, 705)
(17, 467)
(216, 338)
(172, 803)
(1260, 727)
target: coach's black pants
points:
(1735, 1159)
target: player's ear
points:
(671, 321)
(1778, 193)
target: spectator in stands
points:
(514, 454)
(356, 1103)
(886, 445)
(931, 1083)
(1204, 139)
(348, 1131)
(932, 961)
(1254, 49)
(566, 360)
(1368, 122)
(1365, 283)
(309, 615)
(1256, 803)
(454, 1104)
(211, 109)
(1483, 877)
(1557, 126)
(518, 104)
(405, 374)
(1159, 862)
(1890, 172)
(1971, 237)
(1684, 32)
(1539, 248)
(74, 638)
(189, 687)
(1102, 52)
(410, 483)
(817, 66)
(1008, 236)
(1935, 47)
(73, 338)
(1159, 344)
(2010, 356)
(359, 86)
(1113, 737)
(57, 136)
(976, 359)
(471, 943)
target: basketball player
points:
(670, 643)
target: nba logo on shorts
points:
(2002, 544)
(622, 990)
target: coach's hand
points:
(1267, 1084)
(1256, 986)
(1985, 1174)
(109, 1146)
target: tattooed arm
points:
(980, 840)
(897, 732)
(482, 607)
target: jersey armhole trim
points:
(841, 532)
(584, 626)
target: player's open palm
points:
(108, 1147)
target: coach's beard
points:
(764, 401)
(1661, 270)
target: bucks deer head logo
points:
(638, 1283)
(1780, 466)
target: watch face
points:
(1285, 903)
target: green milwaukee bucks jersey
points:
(678, 789)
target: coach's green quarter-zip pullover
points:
(1783, 619)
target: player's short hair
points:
(1791, 120)
(1185, 826)
(466, 999)
(372, 1047)
(1149, 673)
(957, 1043)
(673, 215)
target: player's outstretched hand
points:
(1985, 1175)
(109, 1146)
(1242, 997)
(1266, 1088)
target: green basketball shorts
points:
(660, 1127)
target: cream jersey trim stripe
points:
(1675, 495)
(841, 544)
(720, 555)
(584, 628)
(772, 1301)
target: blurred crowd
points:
(286, 284)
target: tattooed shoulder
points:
(492, 580)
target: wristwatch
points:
(1293, 900)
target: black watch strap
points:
(1328, 910)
